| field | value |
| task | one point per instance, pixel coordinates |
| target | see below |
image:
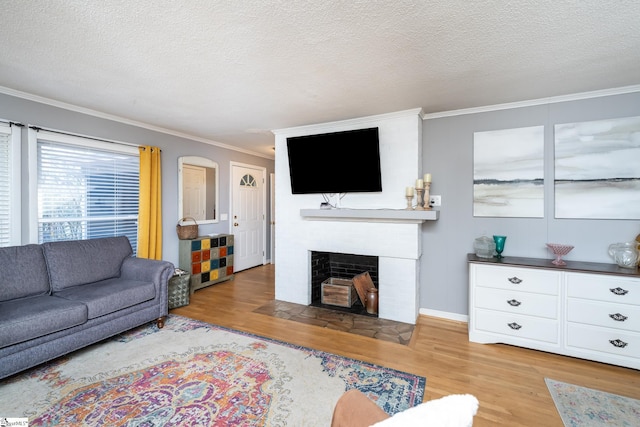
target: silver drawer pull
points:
(514, 302)
(619, 291)
(618, 317)
(515, 280)
(515, 326)
(618, 343)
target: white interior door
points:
(272, 225)
(248, 219)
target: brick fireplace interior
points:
(325, 265)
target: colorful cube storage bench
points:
(208, 259)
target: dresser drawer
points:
(517, 302)
(523, 279)
(603, 288)
(533, 328)
(605, 340)
(610, 315)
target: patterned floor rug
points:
(585, 407)
(193, 373)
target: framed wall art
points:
(508, 173)
(597, 169)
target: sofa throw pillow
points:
(456, 410)
(23, 272)
(79, 262)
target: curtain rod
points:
(9, 122)
(111, 141)
(144, 148)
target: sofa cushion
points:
(109, 295)
(73, 263)
(23, 272)
(29, 318)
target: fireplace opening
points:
(330, 267)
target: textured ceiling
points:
(230, 71)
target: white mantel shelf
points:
(371, 215)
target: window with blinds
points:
(86, 189)
(5, 185)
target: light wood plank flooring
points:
(508, 381)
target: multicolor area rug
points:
(585, 407)
(193, 373)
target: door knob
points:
(235, 224)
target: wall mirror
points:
(198, 189)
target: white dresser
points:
(586, 310)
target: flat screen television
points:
(337, 162)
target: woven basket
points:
(179, 289)
(187, 232)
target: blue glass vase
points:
(499, 245)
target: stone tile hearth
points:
(382, 329)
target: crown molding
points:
(123, 120)
(533, 102)
(348, 123)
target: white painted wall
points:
(398, 246)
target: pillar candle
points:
(427, 177)
(419, 183)
(409, 191)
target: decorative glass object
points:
(484, 247)
(625, 254)
(559, 250)
(500, 240)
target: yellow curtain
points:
(150, 204)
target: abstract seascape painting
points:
(508, 173)
(597, 169)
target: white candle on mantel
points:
(427, 177)
(419, 183)
(409, 191)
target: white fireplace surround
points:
(383, 231)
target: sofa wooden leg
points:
(160, 322)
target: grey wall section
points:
(33, 113)
(448, 155)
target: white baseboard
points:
(445, 315)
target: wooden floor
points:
(508, 381)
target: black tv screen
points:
(337, 162)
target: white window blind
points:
(9, 181)
(5, 185)
(86, 189)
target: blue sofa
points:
(58, 297)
